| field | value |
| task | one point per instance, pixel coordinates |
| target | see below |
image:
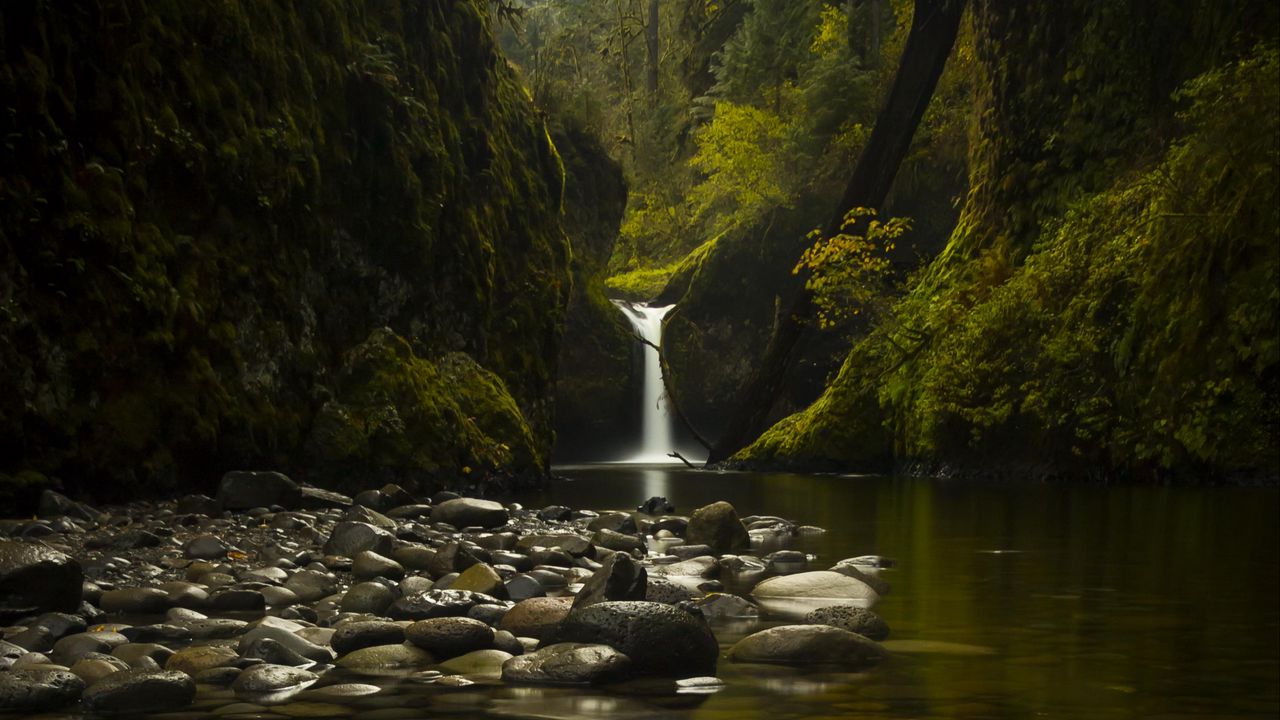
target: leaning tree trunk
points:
(651, 44)
(933, 33)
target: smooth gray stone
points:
(808, 645)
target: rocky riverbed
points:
(279, 600)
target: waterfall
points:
(658, 426)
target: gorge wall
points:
(320, 237)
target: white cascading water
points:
(657, 426)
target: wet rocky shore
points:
(273, 599)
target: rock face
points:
(140, 691)
(35, 579)
(567, 664)
(718, 526)
(798, 594)
(436, 216)
(601, 364)
(808, 645)
(659, 639)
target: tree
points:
(934, 26)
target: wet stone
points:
(469, 512)
(351, 636)
(523, 587)
(139, 691)
(368, 565)
(386, 657)
(568, 663)
(135, 601)
(808, 645)
(38, 690)
(659, 639)
(270, 678)
(351, 538)
(205, 547)
(437, 603)
(368, 597)
(35, 579)
(619, 578)
(481, 578)
(854, 619)
(536, 617)
(449, 637)
(201, 657)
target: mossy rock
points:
(399, 418)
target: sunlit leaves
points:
(848, 271)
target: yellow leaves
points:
(848, 271)
(237, 555)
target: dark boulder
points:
(35, 579)
(659, 639)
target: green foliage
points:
(768, 51)
(849, 272)
(1139, 338)
(640, 285)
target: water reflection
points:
(1014, 601)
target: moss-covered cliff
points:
(206, 207)
(1107, 305)
(598, 388)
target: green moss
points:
(202, 209)
(640, 285)
(400, 418)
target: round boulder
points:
(450, 637)
(536, 617)
(659, 639)
(796, 595)
(718, 526)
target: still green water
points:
(1034, 601)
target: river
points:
(1008, 601)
